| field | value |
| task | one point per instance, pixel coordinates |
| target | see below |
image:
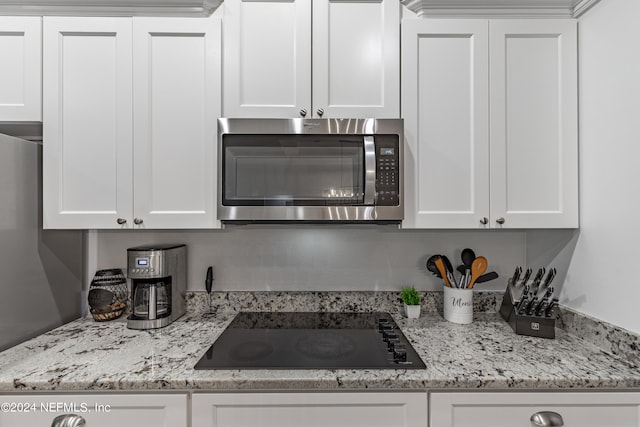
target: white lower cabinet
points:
(98, 410)
(370, 409)
(514, 409)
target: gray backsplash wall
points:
(320, 257)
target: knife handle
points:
(540, 307)
(529, 309)
(521, 304)
(549, 310)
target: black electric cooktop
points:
(298, 340)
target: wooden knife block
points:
(522, 324)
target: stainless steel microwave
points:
(314, 170)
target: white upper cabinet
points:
(320, 58)
(356, 56)
(515, 167)
(267, 58)
(21, 69)
(534, 123)
(102, 75)
(445, 107)
(176, 99)
(87, 122)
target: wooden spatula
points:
(442, 270)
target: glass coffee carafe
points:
(151, 300)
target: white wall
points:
(602, 280)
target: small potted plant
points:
(411, 300)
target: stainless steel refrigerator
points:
(41, 271)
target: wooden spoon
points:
(478, 267)
(442, 270)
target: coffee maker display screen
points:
(142, 261)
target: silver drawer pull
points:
(546, 419)
(68, 420)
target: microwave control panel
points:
(388, 171)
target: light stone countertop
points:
(89, 356)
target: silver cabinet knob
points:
(68, 420)
(500, 220)
(121, 221)
(303, 112)
(546, 419)
(320, 112)
(484, 220)
(137, 221)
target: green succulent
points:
(410, 296)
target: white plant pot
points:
(412, 311)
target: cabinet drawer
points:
(310, 410)
(98, 410)
(515, 409)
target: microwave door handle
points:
(370, 170)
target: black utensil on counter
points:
(492, 275)
(467, 256)
(208, 284)
(431, 265)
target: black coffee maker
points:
(158, 276)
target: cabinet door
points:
(309, 409)
(177, 77)
(534, 139)
(267, 58)
(515, 409)
(445, 105)
(87, 122)
(21, 70)
(98, 410)
(356, 58)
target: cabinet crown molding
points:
(109, 8)
(499, 8)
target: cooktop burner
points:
(298, 340)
